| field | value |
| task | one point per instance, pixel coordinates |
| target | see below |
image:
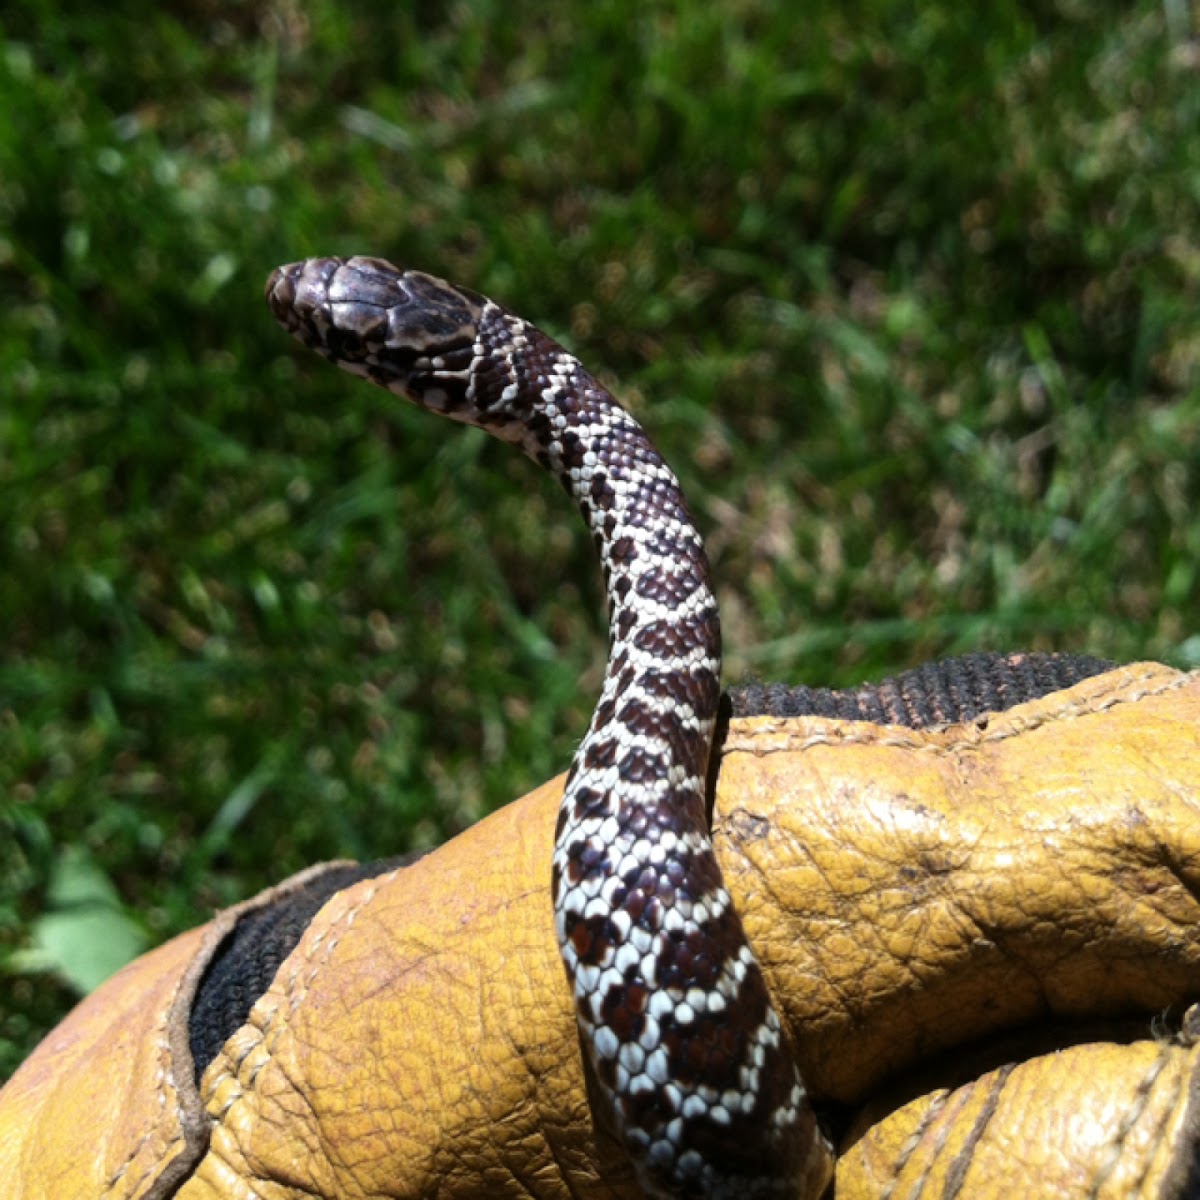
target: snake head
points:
(404, 330)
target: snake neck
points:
(681, 1036)
(664, 664)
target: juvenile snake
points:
(671, 1003)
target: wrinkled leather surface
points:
(943, 916)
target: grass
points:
(907, 294)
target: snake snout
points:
(298, 297)
(280, 290)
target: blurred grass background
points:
(907, 293)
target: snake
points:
(686, 1057)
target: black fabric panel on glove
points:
(940, 693)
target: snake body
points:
(693, 1070)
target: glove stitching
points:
(164, 1080)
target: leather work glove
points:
(982, 936)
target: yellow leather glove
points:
(1023, 885)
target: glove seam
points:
(165, 1083)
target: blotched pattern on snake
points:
(682, 1037)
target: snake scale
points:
(691, 1066)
